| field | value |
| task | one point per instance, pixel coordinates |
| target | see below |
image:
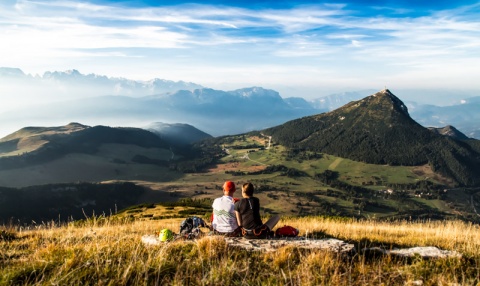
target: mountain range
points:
(72, 81)
(56, 98)
(213, 111)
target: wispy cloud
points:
(336, 37)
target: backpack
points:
(190, 227)
(286, 231)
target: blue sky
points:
(300, 48)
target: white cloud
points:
(356, 43)
(198, 42)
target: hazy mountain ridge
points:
(449, 131)
(177, 133)
(336, 100)
(463, 116)
(62, 97)
(379, 130)
(73, 79)
(214, 111)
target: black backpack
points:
(190, 227)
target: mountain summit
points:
(379, 130)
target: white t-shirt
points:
(224, 219)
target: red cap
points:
(229, 186)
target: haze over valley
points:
(57, 98)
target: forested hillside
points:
(379, 130)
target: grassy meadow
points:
(108, 251)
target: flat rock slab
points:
(424, 252)
(329, 244)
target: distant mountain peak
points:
(395, 100)
(385, 100)
(177, 133)
(72, 72)
(256, 91)
(449, 131)
(382, 107)
(11, 72)
(386, 91)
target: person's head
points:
(247, 189)
(229, 188)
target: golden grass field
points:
(108, 251)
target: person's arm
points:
(239, 218)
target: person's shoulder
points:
(237, 201)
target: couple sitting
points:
(240, 217)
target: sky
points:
(300, 48)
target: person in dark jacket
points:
(247, 211)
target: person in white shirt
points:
(224, 221)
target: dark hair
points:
(248, 189)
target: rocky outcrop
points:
(329, 244)
(423, 252)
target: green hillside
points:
(72, 153)
(379, 130)
(303, 182)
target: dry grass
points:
(109, 252)
(451, 235)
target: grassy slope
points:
(109, 252)
(29, 139)
(111, 162)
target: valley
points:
(288, 183)
(368, 159)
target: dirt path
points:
(269, 140)
(335, 163)
(248, 158)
